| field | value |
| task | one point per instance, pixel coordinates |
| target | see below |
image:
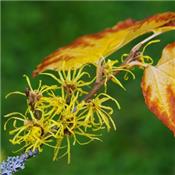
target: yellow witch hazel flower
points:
(98, 114)
(33, 95)
(110, 67)
(30, 131)
(69, 125)
(71, 81)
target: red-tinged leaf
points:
(158, 86)
(91, 48)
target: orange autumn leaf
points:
(158, 86)
(91, 48)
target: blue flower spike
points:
(16, 163)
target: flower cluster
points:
(59, 121)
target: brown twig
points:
(133, 56)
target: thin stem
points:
(99, 70)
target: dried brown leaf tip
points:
(91, 48)
(158, 86)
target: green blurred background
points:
(30, 31)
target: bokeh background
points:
(30, 31)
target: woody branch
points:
(130, 62)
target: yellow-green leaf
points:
(91, 48)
